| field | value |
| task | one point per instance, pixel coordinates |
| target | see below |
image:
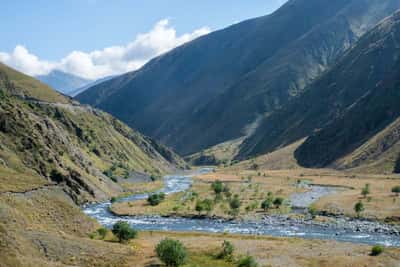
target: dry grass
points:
(12, 181)
(269, 251)
(250, 192)
(137, 188)
(382, 203)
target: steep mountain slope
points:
(63, 82)
(377, 155)
(222, 82)
(54, 154)
(353, 104)
(49, 139)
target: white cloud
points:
(26, 62)
(108, 61)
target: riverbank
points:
(278, 224)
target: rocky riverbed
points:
(334, 228)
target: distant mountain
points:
(351, 113)
(89, 85)
(63, 82)
(209, 90)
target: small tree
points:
(278, 202)
(218, 187)
(266, 204)
(377, 250)
(366, 190)
(123, 231)
(199, 206)
(171, 252)
(204, 205)
(235, 204)
(358, 208)
(247, 261)
(155, 199)
(396, 190)
(227, 251)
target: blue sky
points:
(51, 30)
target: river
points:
(341, 229)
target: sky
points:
(98, 38)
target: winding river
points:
(341, 229)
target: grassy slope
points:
(52, 155)
(39, 138)
(31, 87)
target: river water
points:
(279, 225)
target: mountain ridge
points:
(353, 102)
(223, 81)
(55, 140)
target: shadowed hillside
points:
(349, 105)
(397, 167)
(223, 81)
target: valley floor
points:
(43, 227)
(252, 187)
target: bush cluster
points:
(155, 199)
(171, 252)
(123, 231)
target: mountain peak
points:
(63, 82)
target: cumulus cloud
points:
(26, 62)
(108, 61)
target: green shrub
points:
(155, 199)
(171, 252)
(218, 187)
(358, 208)
(235, 203)
(278, 202)
(227, 251)
(204, 205)
(247, 261)
(102, 232)
(396, 190)
(377, 250)
(266, 204)
(313, 211)
(123, 231)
